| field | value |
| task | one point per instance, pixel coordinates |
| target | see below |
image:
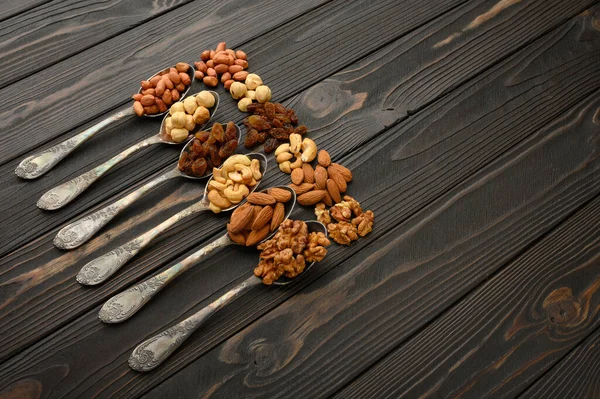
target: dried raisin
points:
(270, 145)
(218, 133)
(202, 136)
(228, 148)
(199, 167)
(231, 132)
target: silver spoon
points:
(101, 268)
(125, 304)
(61, 195)
(36, 165)
(79, 232)
(152, 352)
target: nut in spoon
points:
(61, 195)
(36, 165)
(79, 232)
(125, 304)
(152, 352)
(101, 268)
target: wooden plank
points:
(332, 331)
(576, 376)
(409, 186)
(56, 269)
(44, 35)
(10, 8)
(288, 42)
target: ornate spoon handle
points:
(61, 195)
(36, 165)
(79, 232)
(125, 304)
(157, 349)
(104, 266)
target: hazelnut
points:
(177, 107)
(251, 94)
(178, 119)
(263, 94)
(201, 115)
(205, 99)
(237, 90)
(190, 105)
(243, 104)
(253, 81)
(178, 135)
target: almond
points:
(263, 218)
(301, 188)
(257, 236)
(344, 171)
(261, 199)
(323, 158)
(278, 216)
(297, 176)
(338, 178)
(321, 177)
(280, 194)
(237, 238)
(327, 199)
(309, 173)
(311, 197)
(240, 218)
(334, 191)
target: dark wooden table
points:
(472, 128)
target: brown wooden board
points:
(9, 8)
(576, 376)
(44, 35)
(338, 326)
(441, 169)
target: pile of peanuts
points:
(186, 114)
(221, 62)
(232, 182)
(251, 89)
(161, 90)
(261, 214)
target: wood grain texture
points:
(577, 376)
(44, 35)
(9, 8)
(506, 333)
(440, 169)
(336, 327)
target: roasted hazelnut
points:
(237, 90)
(253, 81)
(263, 94)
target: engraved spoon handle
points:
(157, 349)
(125, 304)
(36, 165)
(101, 268)
(79, 232)
(61, 195)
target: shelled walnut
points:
(343, 232)
(352, 221)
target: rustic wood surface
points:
(472, 129)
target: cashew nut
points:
(285, 167)
(214, 208)
(216, 185)
(295, 143)
(284, 156)
(230, 162)
(285, 147)
(309, 150)
(246, 173)
(215, 198)
(255, 168)
(236, 177)
(217, 175)
(235, 196)
(252, 183)
(297, 163)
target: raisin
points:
(218, 133)
(212, 140)
(292, 115)
(251, 138)
(277, 122)
(270, 110)
(228, 148)
(254, 106)
(184, 162)
(270, 145)
(231, 132)
(199, 167)
(262, 137)
(283, 118)
(202, 136)
(301, 130)
(279, 108)
(197, 149)
(215, 159)
(258, 123)
(279, 133)
(206, 148)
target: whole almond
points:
(309, 173)
(300, 189)
(346, 173)
(263, 218)
(261, 199)
(256, 236)
(240, 76)
(278, 216)
(321, 177)
(280, 194)
(240, 218)
(336, 176)
(297, 176)
(334, 191)
(238, 238)
(323, 158)
(311, 197)
(327, 199)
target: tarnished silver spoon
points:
(79, 232)
(125, 304)
(101, 268)
(157, 349)
(36, 165)
(61, 195)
